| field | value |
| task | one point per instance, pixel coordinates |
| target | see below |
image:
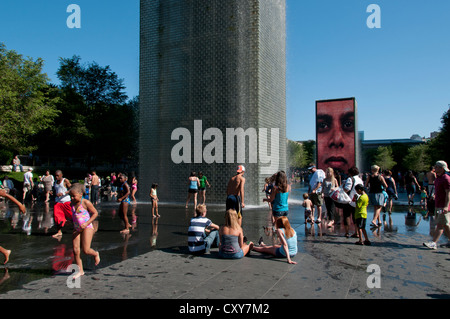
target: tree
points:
(439, 147)
(296, 155)
(417, 158)
(310, 149)
(96, 123)
(94, 83)
(27, 101)
(70, 129)
(384, 158)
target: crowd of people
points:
(328, 198)
(351, 196)
(75, 202)
(229, 237)
(43, 187)
(348, 197)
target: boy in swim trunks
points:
(235, 192)
(307, 203)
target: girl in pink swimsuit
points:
(80, 217)
(84, 213)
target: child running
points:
(154, 198)
(84, 213)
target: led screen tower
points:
(212, 94)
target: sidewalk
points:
(329, 266)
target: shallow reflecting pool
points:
(36, 254)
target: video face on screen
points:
(335, 133)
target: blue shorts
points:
(278, 254)
(234, 202)
(279, 214)
(237, 255)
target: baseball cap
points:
(240, 169)
(443, 165)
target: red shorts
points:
(61, 213)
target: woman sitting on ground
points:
(232, 244)
(288, 238)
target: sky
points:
(398, 73)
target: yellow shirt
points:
(361, 206)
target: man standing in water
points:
(235, 192)
(315, 187)
(95, 185)
(442, 203)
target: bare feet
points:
(97, 258)
(58, 234)
(6, 253)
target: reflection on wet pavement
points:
(36, 254)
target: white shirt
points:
(60, 188)
(318, 177)
(348, 184)
(28, 178)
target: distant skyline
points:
(399, 74)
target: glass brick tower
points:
(210, 69)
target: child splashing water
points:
(84, 213)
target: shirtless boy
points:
(235, 192)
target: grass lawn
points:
(18, 176)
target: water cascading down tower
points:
(212, 94)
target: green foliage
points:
(6, 156)
(27, 101)
(439, 147)
(417, 158)
(94, 83)
(296, 155)
(95, 122)
(384, 157)
(310, 149)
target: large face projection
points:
(335, 133)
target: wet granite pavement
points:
(153, 261)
